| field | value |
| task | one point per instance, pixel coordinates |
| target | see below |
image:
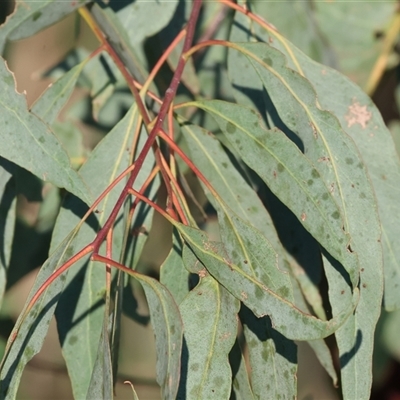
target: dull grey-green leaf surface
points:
(7, 220)
(168, 330)
(142, 19)
(286, 318)
(208, 155)
(28, 19)
(86, 282)
(332, 151)
(210, 333)
(31, 144)
(119, 39)
(31, 331)
(50, 103)
(272, 358)
(101, 381)
(241, 387)
(288, 173)
(173, 274)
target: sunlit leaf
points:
(50, 103)
(101, 386)
(168, 331)
(273, 358)
(210, 333)
(173, 273)
(338, 161)
(290, 175)
(286, 318)
(29, 333)
(28, 142)
(7, 220)
(86, 281)
(26, 20)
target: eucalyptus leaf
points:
(286, 318)
(31, 329)
(27, 20)
(86, 282)
(7, 220)
(30, 143)
(209, 335)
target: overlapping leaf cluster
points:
(293, 158)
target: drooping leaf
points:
(288, 173)
(144, 19)
(241, 387)
(273, 358)
(338, 161)
(50, 103)
(30, 331)
(286, 318)
(210, 333)
(361, 39)
(86, 281)
(173, 273)
(28, 142)
(7, 220)
(26, 20)
(168, 330)
(296, 20)
(101, 381)
(119, 39)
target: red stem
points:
(169, 96)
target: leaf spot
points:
(303, 216)
(358, 114)
(335, 215)
(230, 128)
(349, 161)
(268, 61)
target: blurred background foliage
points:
(360, 39)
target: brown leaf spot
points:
(202, 273)
(303, 216)
(358, 114)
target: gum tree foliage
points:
(291, 156)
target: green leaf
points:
(338, 161)
(286, 318)
(119, 39)
(26, 20)
(241, 387)
(273, 358)
(7, 220)
(144, 19)
(168, 331)
(79, 335)
(356, 44)
(29, 332)
(288, 173)
(210, 333)
(209, 157)
(101, 381)
(173, 274)
(50, 103)
(296, 20)
(28, 142)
